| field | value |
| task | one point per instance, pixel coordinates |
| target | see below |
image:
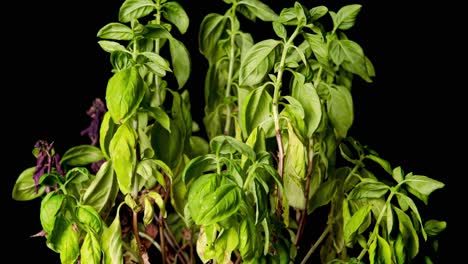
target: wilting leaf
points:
(102, 191)
(111, 242)
(90, 249)
(380, 251)
(123, 154)
(406, 228)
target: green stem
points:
(231, 71)
(145, 236)
(157, 79)
(315, 246)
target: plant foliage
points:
(277, 154)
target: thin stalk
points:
(315, 246)
(230, 71)
(157, 79)
(135, 231)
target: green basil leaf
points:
(217, 205)
(352, 225)
(422, 186)
(294, 171)
(260, 10)
(149, 168)
(111, 242)
(175, 13)
(88, 216)
(257, 62)
(197, 166)
(368, 189)
(346, 17)
(106, 132)
(380, 251)
(434, 227)
(68, 244)
(340, 109)
(307, 95)
(81, 155)
(323, 195)
(125, 91)
(317, 12)
(406, 228)
(25, 188)
(90, 249)
(181, 63)
(102, 191)
(134, 9)
(112, 46)
(123, 155)
(115, 31)
(50, 207)
(211, 30)
(256, 111)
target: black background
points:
(54, 68)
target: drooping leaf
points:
(25, 188)
(211, 30)
(181, 62)
(223, 142)
(102, 191)
(111, 242)
(410, 237)
(294, 171)
(248, 245)
(340, 109)
(175, 13)
(106, 132)
(112, 46)
(380, 251)
(323, 195)
(123, 155)
(68, 244)
(90, 249)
